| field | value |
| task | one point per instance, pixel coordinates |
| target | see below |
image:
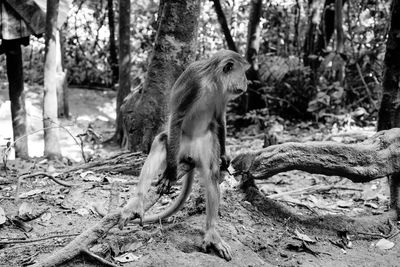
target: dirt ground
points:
(341, 222)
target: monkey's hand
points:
(132, 210)
(213, 240)
(225, 162)
(167, 180)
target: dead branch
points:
(374, 158)
(125, 162)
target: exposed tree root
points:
(376, 157)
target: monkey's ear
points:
(228, 67)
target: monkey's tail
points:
(177, 204)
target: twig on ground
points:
(23, 241)
(312, 189)
(25, 176)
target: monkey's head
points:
(231, 70)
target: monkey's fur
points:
(196, 135)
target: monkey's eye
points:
(228, 67)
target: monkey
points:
(196, 136)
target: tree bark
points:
(62, 88)
(253, 39)
(173, 50)
(16, 87)
(113, 48)
(224, 25)
(327, 27)
(389, 111)
(340, 40)
(374, 158)
(51, 138)
(124, 72)
(251, 99)
(314, 20)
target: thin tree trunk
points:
(16, 88)
(113, 49)
(224, 25)
(253, 39)
(251, 99)
(173, 50)
(389, 111)
(51, 138)
(326, 27)
(62, 89)
(314, 19)
(340, 39)
(124, 69)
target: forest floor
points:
(263, 227)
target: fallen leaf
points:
(26, 209)
(82, 211)
(384, 244)
(31, 193)
(127, 257)
(46, 216)
(135, 246)
(3, 218)
(89, 176)
(304, 237)
(344, 203)
(372, 205)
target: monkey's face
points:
(234, 77)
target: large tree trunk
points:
(389, 111)
(16, 88)
(50, 121)
(224, 25)
(173, 50)
(124, 68)
(113, 49)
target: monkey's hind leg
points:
(209, 170)
(154, 165)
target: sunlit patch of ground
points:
(86, 106)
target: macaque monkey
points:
(196, 136)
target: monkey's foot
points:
(132, 210)
(213, 240)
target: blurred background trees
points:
(308, 62)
